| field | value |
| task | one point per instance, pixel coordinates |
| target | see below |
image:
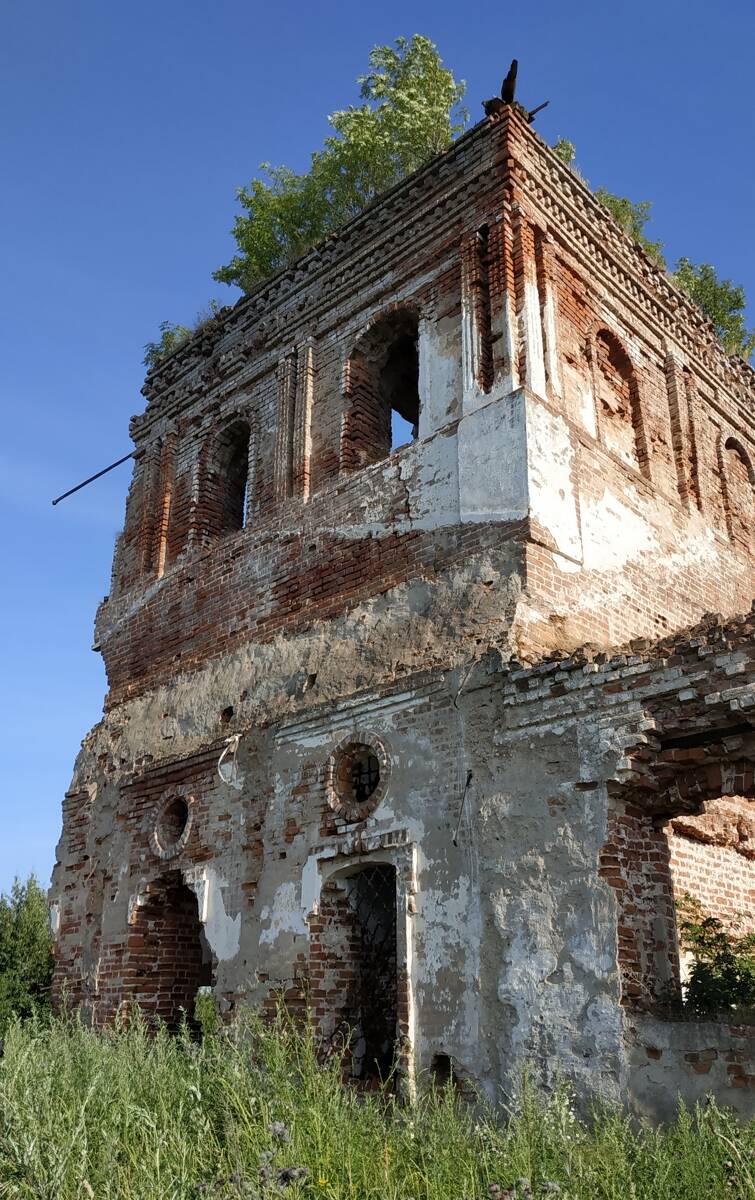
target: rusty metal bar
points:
(92, 478)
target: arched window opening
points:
(482, 314)
(383, 401)
(704, 847)
(226, 491)
(739, 494)
(618, 400)
(169, 957)
(167, 469)
(356, 964)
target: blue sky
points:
(127, 129)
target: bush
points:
(722, 976)
(122, 1115)
(25, 952)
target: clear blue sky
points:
(126, 129)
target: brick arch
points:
(738, 482)
(168, 958)
(223, 501)
(381, 377)
(617, 399)
(668, 773)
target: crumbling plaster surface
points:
(416, 602)
(702, 1058)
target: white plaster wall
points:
(492, 448)
(552, 478)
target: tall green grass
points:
(124, 1114)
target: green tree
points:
(632, 216)
(411, 111)
(721, 301)
(722, 975)
(25, 951)
(565, 150)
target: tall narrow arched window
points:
(225, 498)
(382, 390)
(739, 496)
(618, 401)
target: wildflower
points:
(279, 1130)
(288, 1175)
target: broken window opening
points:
(169, 957)
(383, 402)
(711, 860)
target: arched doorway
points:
(168, 955)
(355, 969)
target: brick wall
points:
(712, 858)
(166, 957)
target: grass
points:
(126, 1115)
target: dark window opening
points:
(226, 491)
(374, 1010)
(445, 1073)
(482, 315)
(383, 402)
(358, 775)
(171, 823)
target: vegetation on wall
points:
(25, 952)
(411, 110)
(172, 336)
(722, 974)
(722, 301)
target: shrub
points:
(722, 976)
(25, 952)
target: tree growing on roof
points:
(411, 111)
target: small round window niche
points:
(171, 830)
(357, 776)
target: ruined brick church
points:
(432, 737)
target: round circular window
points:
(171, 830)
(357, 776)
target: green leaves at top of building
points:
(411, 111)
(722, 301)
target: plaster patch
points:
(284, 915)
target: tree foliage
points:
(171, 336)
(632, 216)
(411, 111)
(722, 976)
(722, 301)
(25, 951)
(565, 150)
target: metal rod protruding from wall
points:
(92, 478)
